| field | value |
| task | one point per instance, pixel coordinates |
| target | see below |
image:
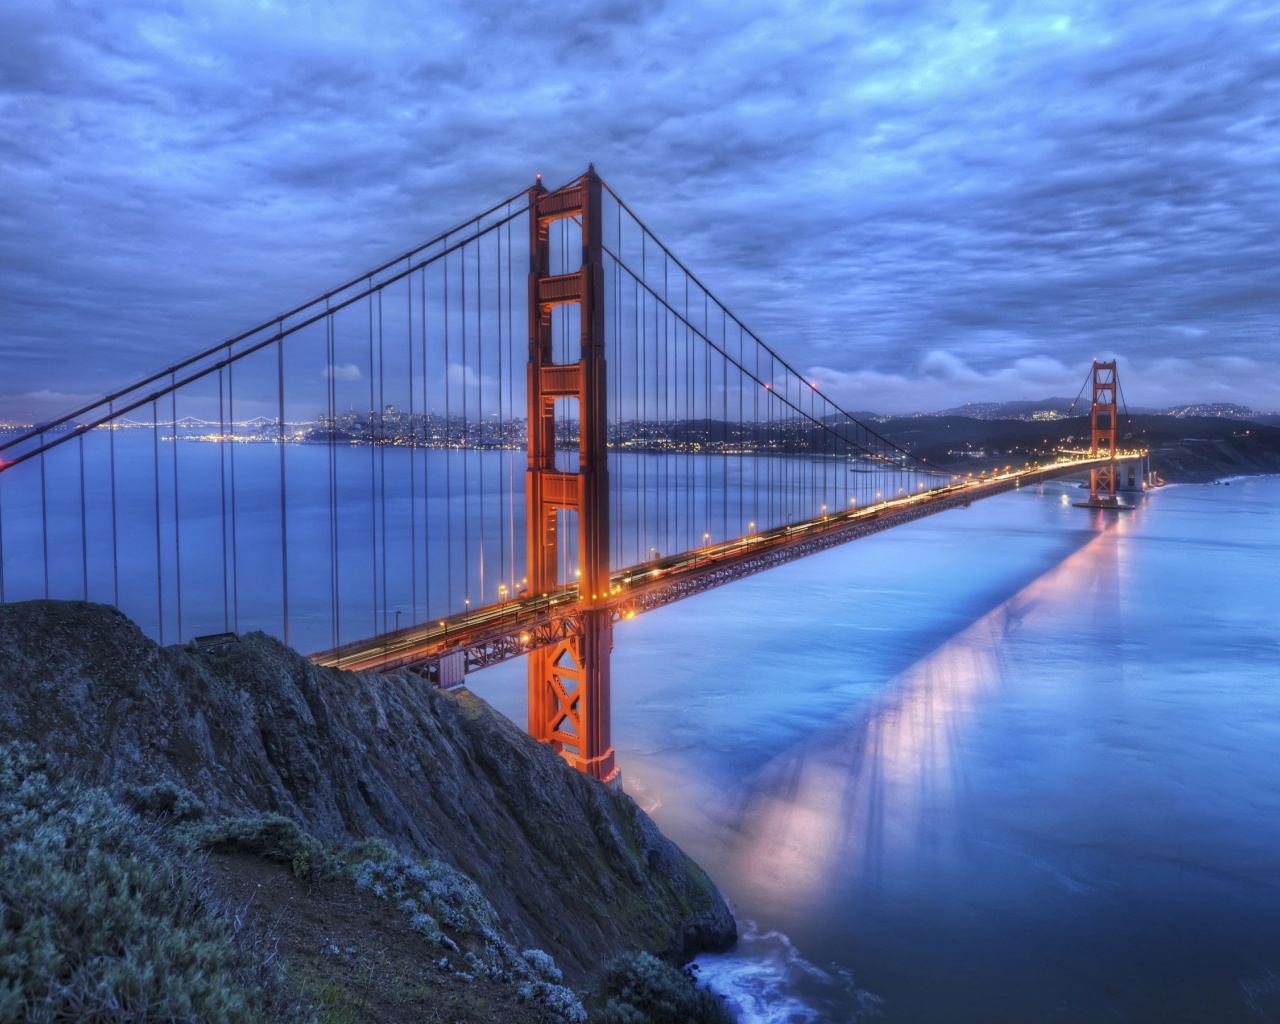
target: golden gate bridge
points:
(498, 444)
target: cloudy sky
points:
(920, 204)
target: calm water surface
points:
(1011, 763)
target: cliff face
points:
(571, 866)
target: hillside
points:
(1183, 449)
(568, 866)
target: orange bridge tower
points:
(1102, 481)
(569, 681)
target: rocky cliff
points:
(571, 866)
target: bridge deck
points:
(509, 629)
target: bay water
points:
(1011, 763)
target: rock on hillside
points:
(572, 867)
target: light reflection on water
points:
(855, 795)
(1011, 764)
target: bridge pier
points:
(569, 682)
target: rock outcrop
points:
(572, 867)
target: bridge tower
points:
(569, 681)
(1102, 482)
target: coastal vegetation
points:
(188, 837)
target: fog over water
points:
(1010, 763)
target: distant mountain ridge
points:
(1048, 408)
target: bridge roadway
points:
(444, 650)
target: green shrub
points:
(641, 989)
(99, 921)
(432, 889)
(433, 894)
(377, 850)
(271, 836)
(165, 800)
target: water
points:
(190, 537)
(1011, 763)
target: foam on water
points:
(766, 981)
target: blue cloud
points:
(1007, 184)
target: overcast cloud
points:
(922, 204)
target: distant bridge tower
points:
(569, 681)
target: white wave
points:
(765, 980)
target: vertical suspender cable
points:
(426, 459)
(382, 457)
(335, 552)
(706, 407)
(448, 451)
(44, 519)
(2, 543)
(284, 515)
(412, 439)
(638, 456)
(741, 411)
(511, 364)
(480, 417)
(373, 471)
(499, 442)
(115, 548)
(84, 526)
(724, 406)
(644, 378)
(667, 496)
(235, 555)
(177, 518)
(466, 469)
(155, 450)
(222, 476)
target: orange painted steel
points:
(1103, 443)
(569, 678)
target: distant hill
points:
(1050, 408)
(1182, 448)
(1025, 409)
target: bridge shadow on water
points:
(857, 796)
